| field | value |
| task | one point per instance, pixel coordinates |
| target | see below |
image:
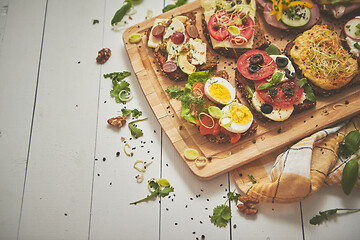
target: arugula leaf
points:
(135, 132)
(324, 215)
(272, 50)
(250, 91)
(166, 191)
(221, 215)
(253, 180)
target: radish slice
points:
(352, 28)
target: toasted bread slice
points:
(317, 89)
(224, 138)
(242, 82)
(259, 41)
(161, 57)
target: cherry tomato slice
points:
(267, 68)
(282, 98)
(217, 31)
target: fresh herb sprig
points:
(309, 93)
(347, 148)
(222, 213)
(324, 215)
(119, 84)
(159, 187)
(178, 3)
(136, 132)
(133, 112)
(275, 80)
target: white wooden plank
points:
(273, 221)
(57, 195)
(111, 215)
(185, 214)
(21, 26)
(343, 226)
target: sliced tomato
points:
(267, 67)
(234, 137)
(246, 31)
(205, 130)
(216, 30)
(281, 99)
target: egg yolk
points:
(240, 114)
(220, 93)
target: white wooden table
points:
(60, 176)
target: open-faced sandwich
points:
(321, 58)
(351, 33)
(231, 26)
(270, 85)
(210, 103)
(339, 8)
(177, 48)
(290, 14)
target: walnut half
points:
(247, 205)
(103, 55)
(117, 121)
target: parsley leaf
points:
(324, 215)
(135, 132)
(157, 190)
(221, 215)
(119, 84)
(134, 113)
(175, 92)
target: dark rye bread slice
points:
(318, 90)
(161, 57)
(221, 137)
(259, 40)
(242, 82)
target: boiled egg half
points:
(219, 90)
(236, 117)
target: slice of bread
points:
(259, 41)
(318, 90)
(161, 57)
(242, 82)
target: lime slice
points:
(191, 154)
(234, 31)
(215, 112)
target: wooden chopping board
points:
(269, 137)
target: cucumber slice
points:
(298, 17)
